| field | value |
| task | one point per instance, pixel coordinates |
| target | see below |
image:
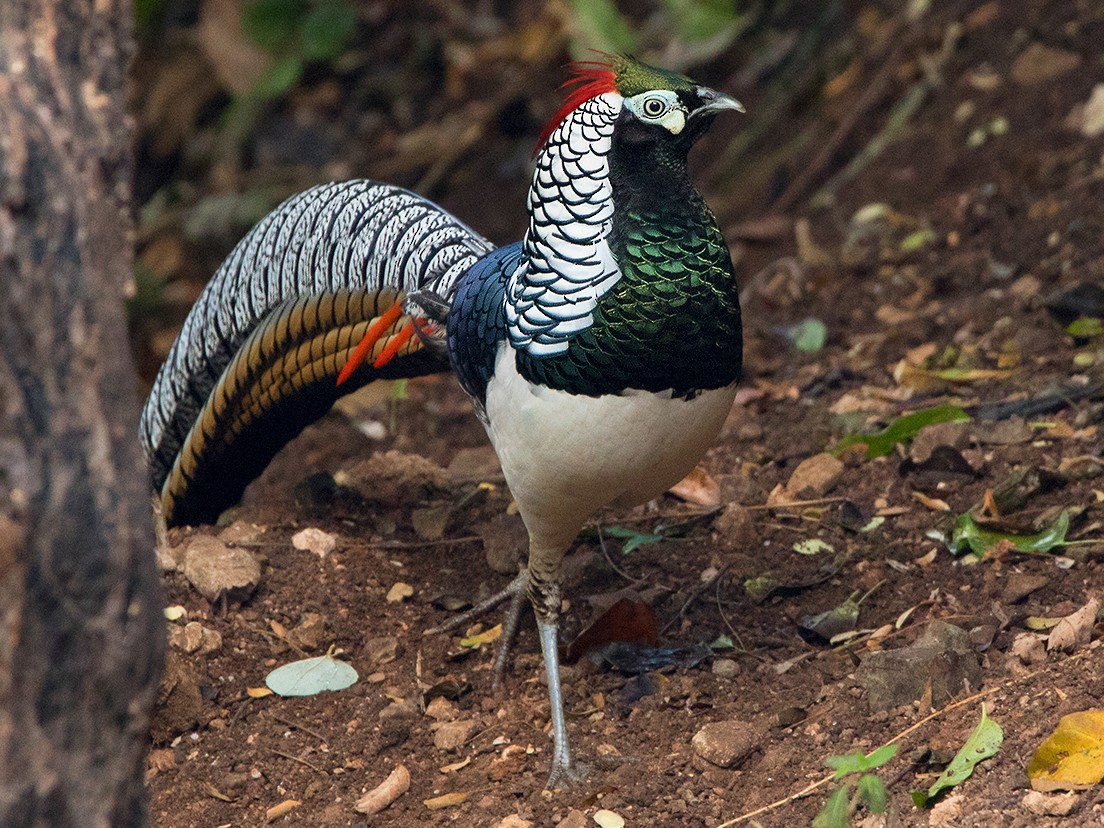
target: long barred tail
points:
(259, 354)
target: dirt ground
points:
(993, 197)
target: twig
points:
(609, 560)
(820, 501)
(301, 761)
(694, 594)
(303, 728)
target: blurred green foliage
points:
(295, 33)
(684, 30)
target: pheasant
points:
(601, 352)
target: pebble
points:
(381, 650)
(814, 477)
(451, 736)
(429, 523)
(574, 819)
(441, 710)
(514, 821)
(726, 744)
(309, 633)
(215, 569)
(725, 667)
(608, 819)
(314, 540)
(1058, 805)
(1038, 64)
(193, 637)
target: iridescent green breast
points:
(672, 321)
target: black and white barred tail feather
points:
(259, 353)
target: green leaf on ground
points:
(901, 430)
(1086, 327)
(632, 538)
(1072, 757)
(311, 676)
(835, 813)
(859, 762)
(984, 742)
(968, 535)
(812, 546)
(807, 336)
(872, 792)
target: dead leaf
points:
(377, 799)
(1074, 631)
(257, 692)
(449, 800)
(285, 807)
(698, 488)
(629, 620)
(1072, 757)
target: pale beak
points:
(714, 101)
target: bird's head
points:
(656, 105)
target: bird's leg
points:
(515, 594)
(546, 603)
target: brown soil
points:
(1013, 221)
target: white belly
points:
(565, 456)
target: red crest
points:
(590, 79)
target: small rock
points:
(1008, 432)
(1038, 64)
(514, 821)
(509, 763)
(241, 533)
(309, 633)
(725, 667)
(814, 477)
(943, 659)
(608, 819)
(381, 650)
(574, 819)
(955, 435)
(1058, 805)
(726, 744)
(947, 813)
(161, 760)
(399, 592)
(1074, 631)
(1029, 649)
(193, 637)
(1019, 585)
(314, 540)
(429, 523)
(441, 710)
(735, 525)
(396, 721)
(216, 569)
(451, 736)
(504, 542)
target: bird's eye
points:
(654, 107)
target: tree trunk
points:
(80, 624)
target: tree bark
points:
(81, 633)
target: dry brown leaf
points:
(390, 789)
(285, 807)
(449, 800)
(698, 488)
(1074, 630)
(933, 503)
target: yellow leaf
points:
(285, 807)
(449, 800)
(477, 641)
(1072, 757)
(257, 692)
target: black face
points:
(673, 117)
